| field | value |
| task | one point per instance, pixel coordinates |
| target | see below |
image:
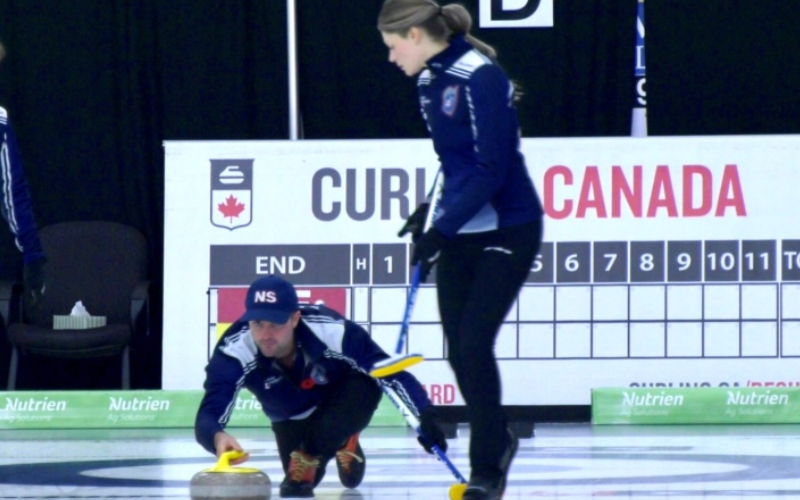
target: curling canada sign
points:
(231, 193)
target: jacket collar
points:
(457, 47)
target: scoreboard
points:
(666, 261)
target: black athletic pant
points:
(346, 412)
(478, 278)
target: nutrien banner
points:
(134, 409)
(718, 405)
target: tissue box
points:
(69, 322)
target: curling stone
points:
(223, 482)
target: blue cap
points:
(272, 299)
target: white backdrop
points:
(667, 260)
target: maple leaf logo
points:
(231, 208)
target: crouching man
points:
(308, 367)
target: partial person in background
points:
(488, 225)
(308, 367)
(17, 208)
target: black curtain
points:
(577, 77)
(723, 67)
(94, 87)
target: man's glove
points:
(415, 222)
(33, 277)
(430, 432)
(427, 250)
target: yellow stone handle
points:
(224, 464)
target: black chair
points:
(104, 265)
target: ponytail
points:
(438, 21)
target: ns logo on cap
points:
(516, 13)
(265, 296)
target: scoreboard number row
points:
(666, 261)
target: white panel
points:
(759, 338)
(537, 303)
(685, 302)
(790, 338)
(760, 301)
(790, 301)
(610, 303)
(388, 304)
(684, 339)
(573, 303)
(361, 304)
(426, 308)
(213, 338)
(647, 340)
(647, 302)
(427, 340)
(721, 339)
(386, 336)
(536, 340)
(573, 340)
(721, 301)
(610, 340)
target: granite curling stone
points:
(224, 482)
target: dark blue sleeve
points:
(17, 208)
(496, 138)
(358, 345)
(224, 376)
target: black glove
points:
(430, 432)
(415, 222)
(33, 277)
(427, 250)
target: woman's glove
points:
(415, 222)
(427, 250)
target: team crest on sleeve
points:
(319, 375)
(450, 100)
(231, 193)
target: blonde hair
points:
(439, 22)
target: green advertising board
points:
(696, 405)
(135, 409)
